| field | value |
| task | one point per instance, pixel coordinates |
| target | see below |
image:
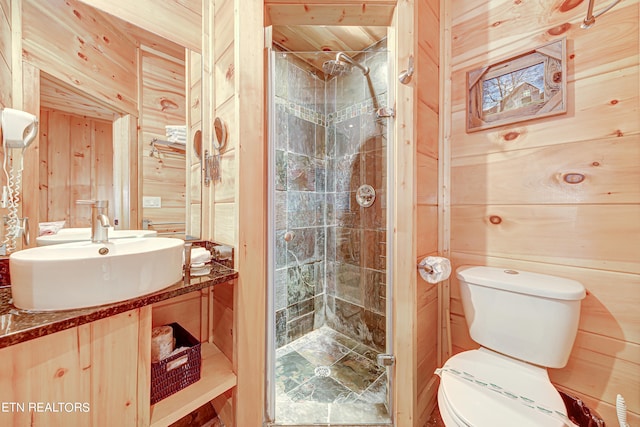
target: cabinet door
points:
(83, 376)
(43, 380)
(114, 370)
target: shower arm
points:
(591, 18)
(347, 58)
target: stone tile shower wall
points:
(330, 252)
(356, 236)
(299, 199)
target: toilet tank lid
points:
(522, 282)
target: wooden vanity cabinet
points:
(99, 374)
(90, 375)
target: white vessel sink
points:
(85, 274)
(69, 235)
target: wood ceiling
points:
(328, 25)
(341, 32)
(56, 95)
(305, 40)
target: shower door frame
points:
(403, 45)
(270, 404)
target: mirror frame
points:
(552, 57)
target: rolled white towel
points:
(200, 255)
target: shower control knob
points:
(366, 195)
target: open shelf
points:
(216, 377)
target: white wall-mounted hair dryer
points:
(19, 129)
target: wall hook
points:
(406, 75)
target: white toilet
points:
(525, 323)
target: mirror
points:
(79, 154)
(220, 130)
(197, 144)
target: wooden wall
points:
(162, 103)
(193, 200)
(179, 21)
(76, 163)
(587, 231)
(5, 53)
(224, 222)
(220, 221)
(427, 153)
(76, 45)
(73, 45)
(6, 99)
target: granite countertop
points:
(18, 325)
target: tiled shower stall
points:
(330, 251)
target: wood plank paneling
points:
(587, 231)
(374, 14)
(110, 354)
(427, 226)
(102, 162)
(426, 123)
(178, 21)
(608, 168)
(80, 142)
(66, 372)
(551, 233)
(222, 333)
(408, 231)
(163, 103)
(70, 41)
(56, 95)
(180, 310)
(59, 357)
(225, 105)
(30, 158)
(427, 180)
(5, 54)
(318, 38)
(248, 215)
(225, 231)
(605, 102)
(76, 164)
(224, 76)
(226, 187)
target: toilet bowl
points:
(524, 322)
(481, 388)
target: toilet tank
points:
(528, 316)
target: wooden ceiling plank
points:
(330, 14)
(57, 95)
(178, 21)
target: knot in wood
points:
(495, 219)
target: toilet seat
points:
(481, 388)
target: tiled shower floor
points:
(325, 377)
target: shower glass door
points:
(329, 288)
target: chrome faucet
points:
(99, 220)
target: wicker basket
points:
(175, 372)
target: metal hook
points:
(406, 75)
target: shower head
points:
(343, 64)
(336, 68)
